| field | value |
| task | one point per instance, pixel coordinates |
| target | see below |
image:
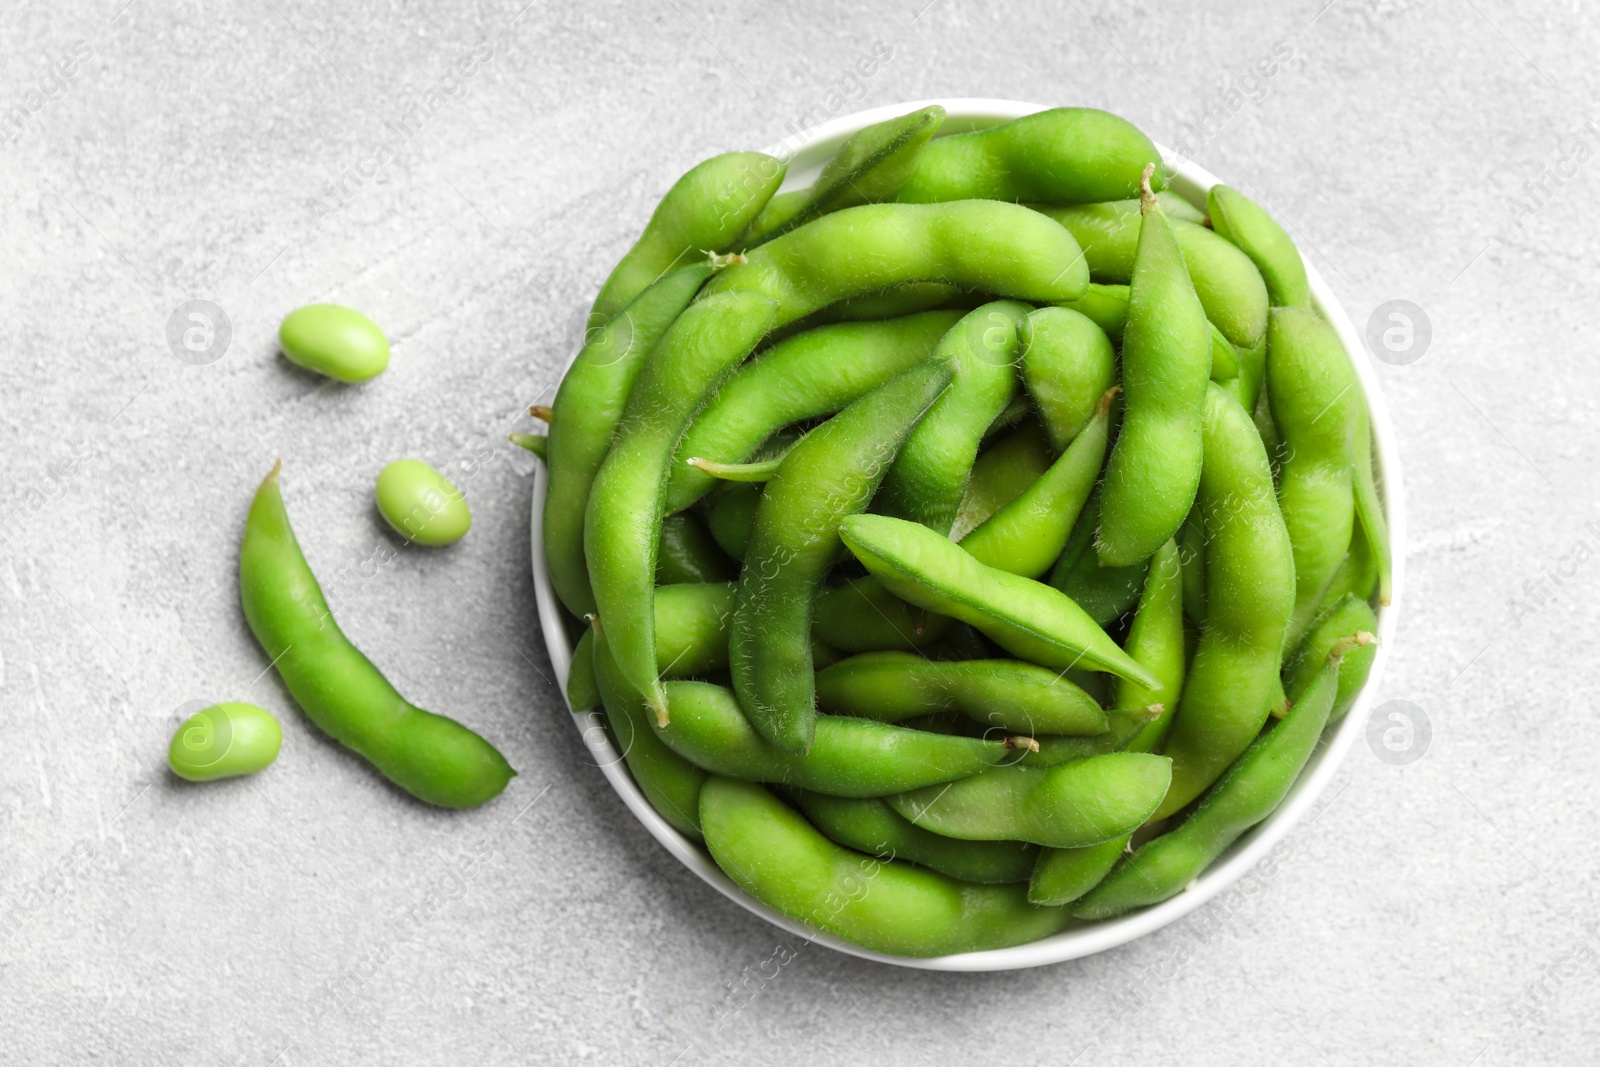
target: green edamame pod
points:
(1358, 574)
(622, 527)
(704, 211)
(772, 853)
(692, 628)
(1104, 593)
(1258, 235)
(1246, 387)
(832, 473)
(1026, 618)
(869, 167)
(226, 740)
(1062, 875)
(587, 409)
(1009, 694)
(1192, 561)
(863, 616)
(732, 515)
(1104, 305)
(429, 756)
(1155, 640)
(892, 303)
(801, 377)
(583, 692)
(1251, 790)
(1339, 619)
(1233, 678)
(1027, 535)
(688, 553)
(668, 781)
(981, 245)
(870, 825)
(850, 758)
(1316, 404)
(1108, 231)
(1369, 506)
(1066, 155)
(1067, 366)
(1001, 473)
(1069, 806)
(1122, 730)
(929, 476)
(1166, 364)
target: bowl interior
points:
(807, 152)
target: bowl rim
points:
(807, 150)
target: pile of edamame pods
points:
(974, 542)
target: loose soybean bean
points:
(421, 505)
(336, 341)
(224, 741)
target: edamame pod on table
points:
(1027, 618)
(1068, 806)
(809, 374)
(1233, 677)
(704, 211)
(832, 473)
(1154, 468)
(587, 410)
(870, 825)
(1067, 365)
(1008, 694)
(986, 246)
(622, 527)
(429, 756)
(930, 474)
(1066, 155)
(772, 853)
(869, 167)
(850, 757)
(1316, 404)
(863, 616)
(1258, 235)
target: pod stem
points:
(538, 444)
(540, 411)
(721, 262)
(736, 472)
(1106, 400)
(1147, 196)
(1026, 743)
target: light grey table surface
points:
(1440, 911)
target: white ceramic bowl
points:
(807, 154)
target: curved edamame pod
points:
(1068, 806)
(832, 473)
(687, 553)
(1341, 618)
(851, 757)
(1012, 695)
(1067, 365)
(981, 245)
(704, 211)
(809, 374)
(929, 476)
(622, 527)
(587, 409)
(1066, 155)
(1316, 406)
(863, 616)
(1062, 875)
(870, 825)
(1258, 235)
(1166, 364)
(1233, 678)
(1155, 640)
(1027, 618)
(772, 853)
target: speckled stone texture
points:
(466, 174)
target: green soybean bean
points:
(1316, 404)
(1001, 473)
(704, 211)
(585, 415)
(1027, 535)
(1122, 730)
(1233, 678)
(732, 515)
(431, 757)
(985, 246)
(833, 473)
(1369, 506)
(1258, 235)
(224, 741)
(421, 504)
(1104, 305)
(869, 167)
(851, 757)
(668, 781)
(1062, 875)
(1341, 618)
(1069, 806)
(930, 474)
(1009, 694)
(1166, 363)
(688, 553)
(863, 616)
(1028, 619)
(1251, 790)
(772, 853)
(1104, 593)
(869, 825)
(1067, 155)
(1067, 366)
(1155, 640)
(336, 341)
(801, 377)
(622, 527)
(583, 692)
